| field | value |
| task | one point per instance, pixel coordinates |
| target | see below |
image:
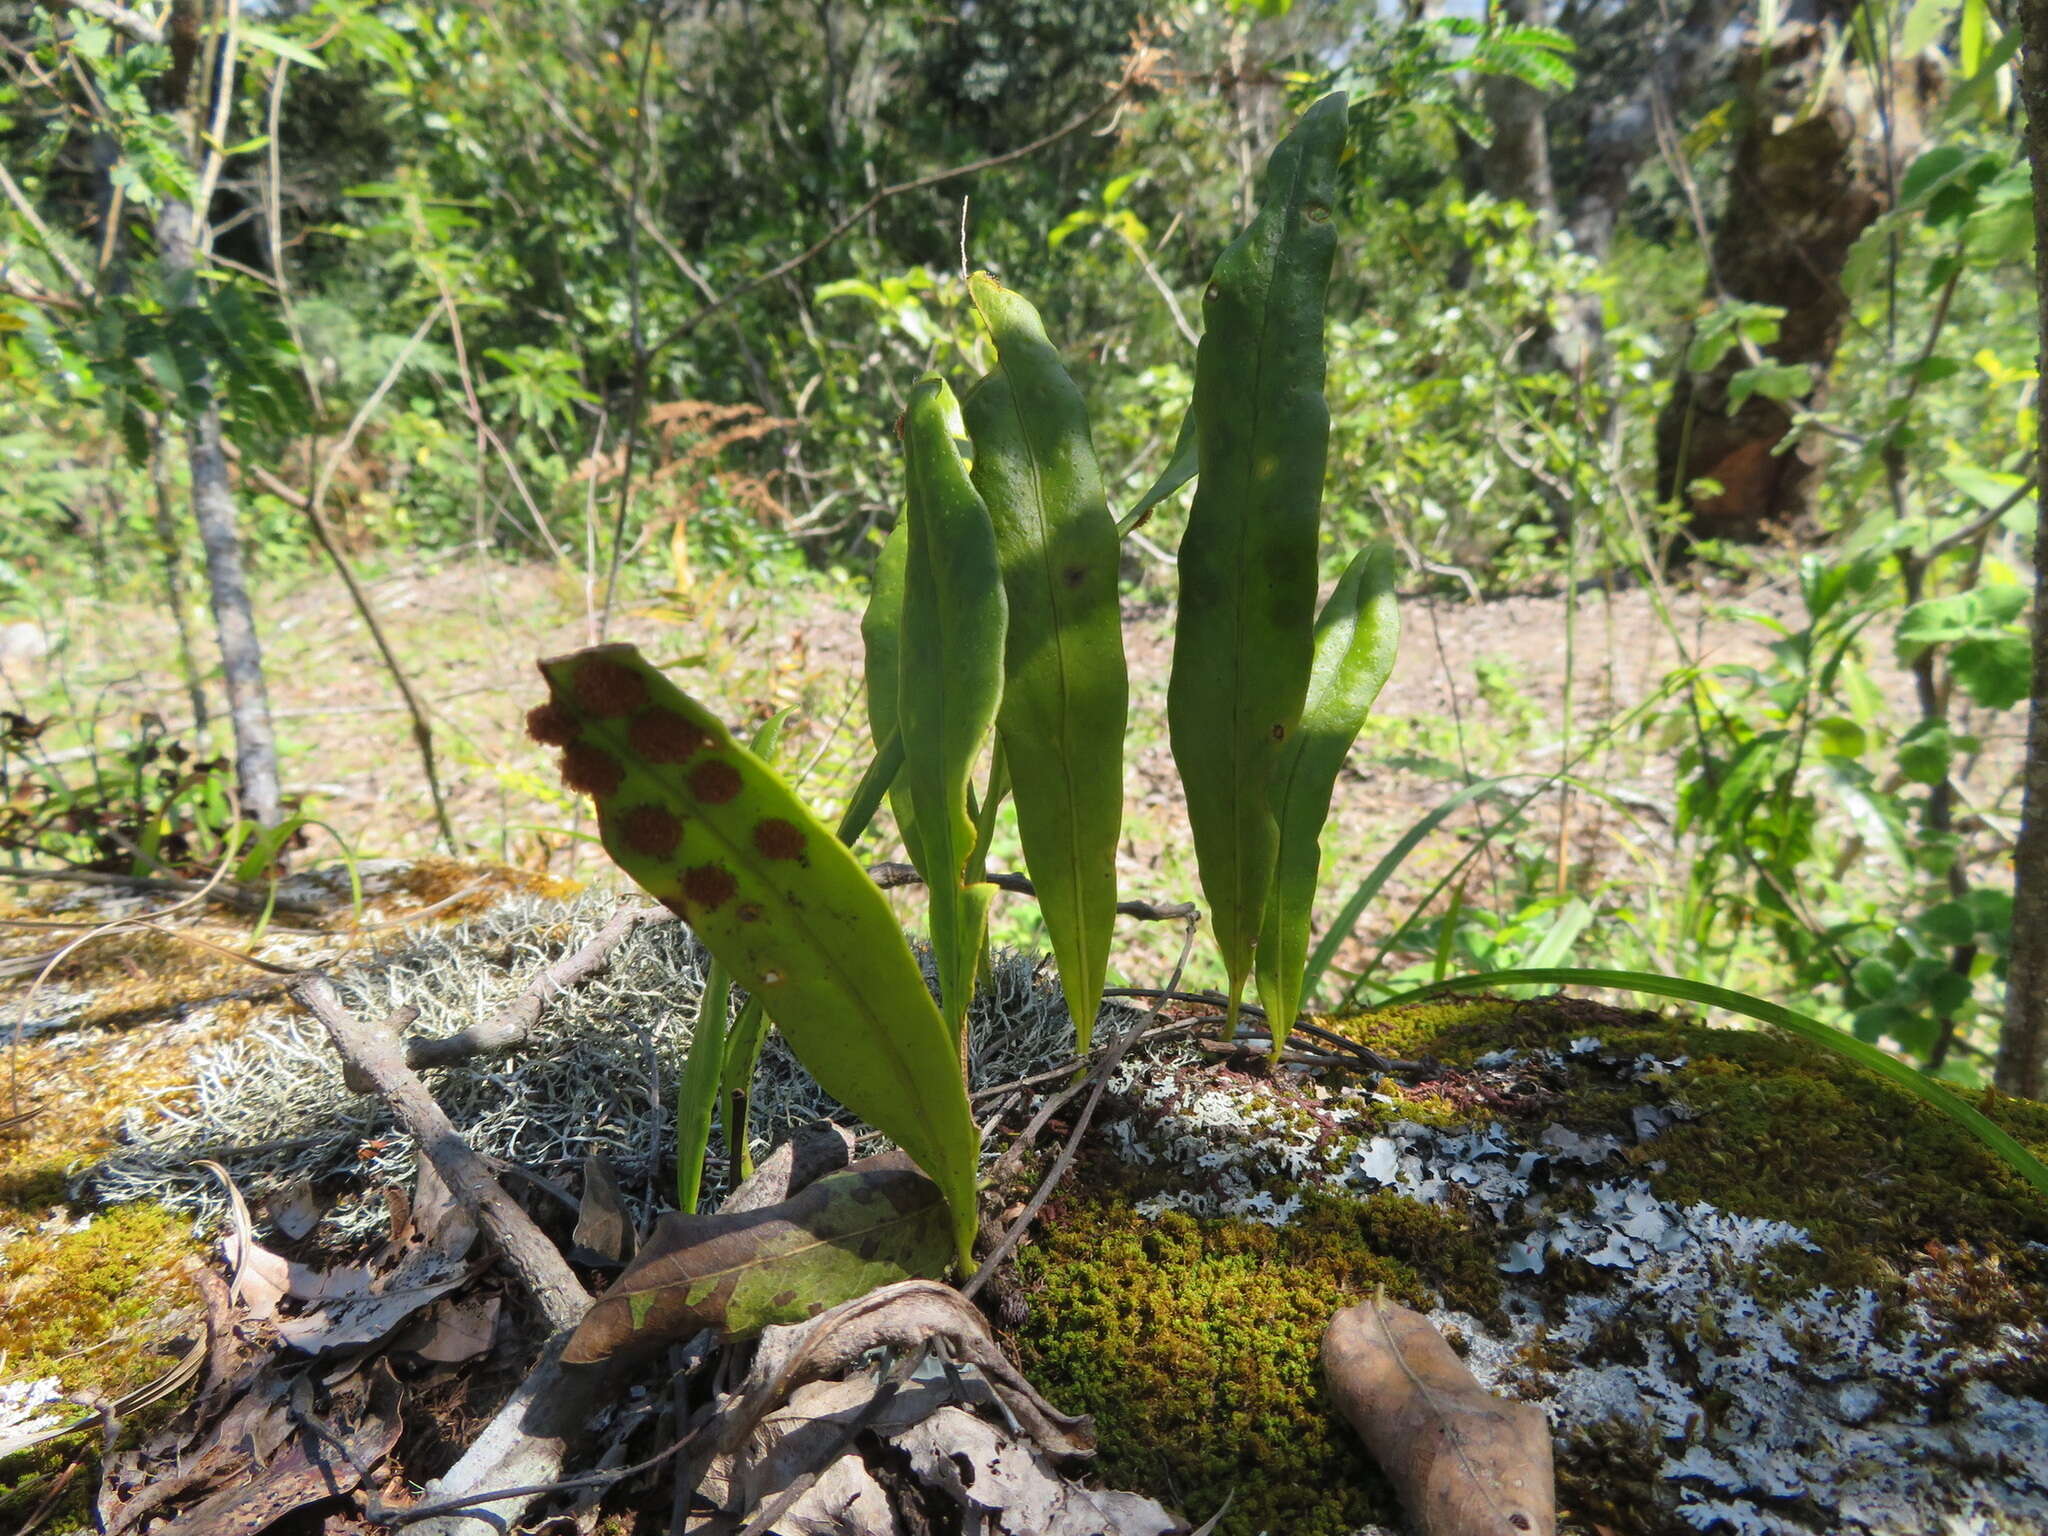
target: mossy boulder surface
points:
(1756, 1288)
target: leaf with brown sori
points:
(708, 828)
(1465, 1463)
(878, 1222)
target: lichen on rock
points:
(1756, 1290)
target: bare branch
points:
(372, 1051)
(132, 24)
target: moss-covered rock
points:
(1756, 1288)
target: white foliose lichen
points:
(1821, 1414)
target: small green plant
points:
(994, 610)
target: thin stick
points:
(225, 895)
(891, 876)
(1099, 1079)
(374, 1052)
(510, 1025)
(733, 295)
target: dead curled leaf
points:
(831, 1445)
(1464, 1462)
(877, 1222)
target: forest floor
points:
(1520, 686)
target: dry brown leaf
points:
(1465, 1462)
(604, 1232)
(455, 1330)
(844, 1235)
(1004, 1484)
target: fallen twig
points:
(375, 1055)
(511, 1025)
(891, 876)
(519, 1455)
(1098, 1080)
(239, 897)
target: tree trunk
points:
(213, 500)
(1516, 165)
(1805, 185)
(2023, 1045)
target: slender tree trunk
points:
(1516, 165)
(172, 567)
(2023, 1045)
(213, 507)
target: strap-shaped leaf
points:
(1356, 637)
(707, 828)
(1180, 469)
(1248, 559)
(1065, 690)
(950, 671)
(881, 633)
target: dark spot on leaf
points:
(781, 1299)
(814, 1309)
(590, 770)
(750, 912)
(709, 886)
(651, 830)
(778, 839)
(607, 687)
(663, 736)
(1279, 732)
(1074, 575)
(715, 782)
(1315, 213)
(550, 725)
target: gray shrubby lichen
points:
(597, 1076)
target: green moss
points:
(1785, 1130)
(1195, 1343)
(97, 1309)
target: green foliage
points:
(949, 683)
(1355, 639)
(1064, 684)
(706, 827)
(1247, 561)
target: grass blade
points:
(1922, 1087)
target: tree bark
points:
(2023, 1044)
(213, 499)
(213, 508)
(1516, 165)
(1809, 178)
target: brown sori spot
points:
(715, 782)
(750, 912)
(781, 1299)
(663, 736)
(651, 830)
(550, 725)
(814, 1309)
(607, 687)
(590, 770)
(709, 886)
(1279, 732)
(1074, 575)
(778, 839)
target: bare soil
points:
(1525, 685)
